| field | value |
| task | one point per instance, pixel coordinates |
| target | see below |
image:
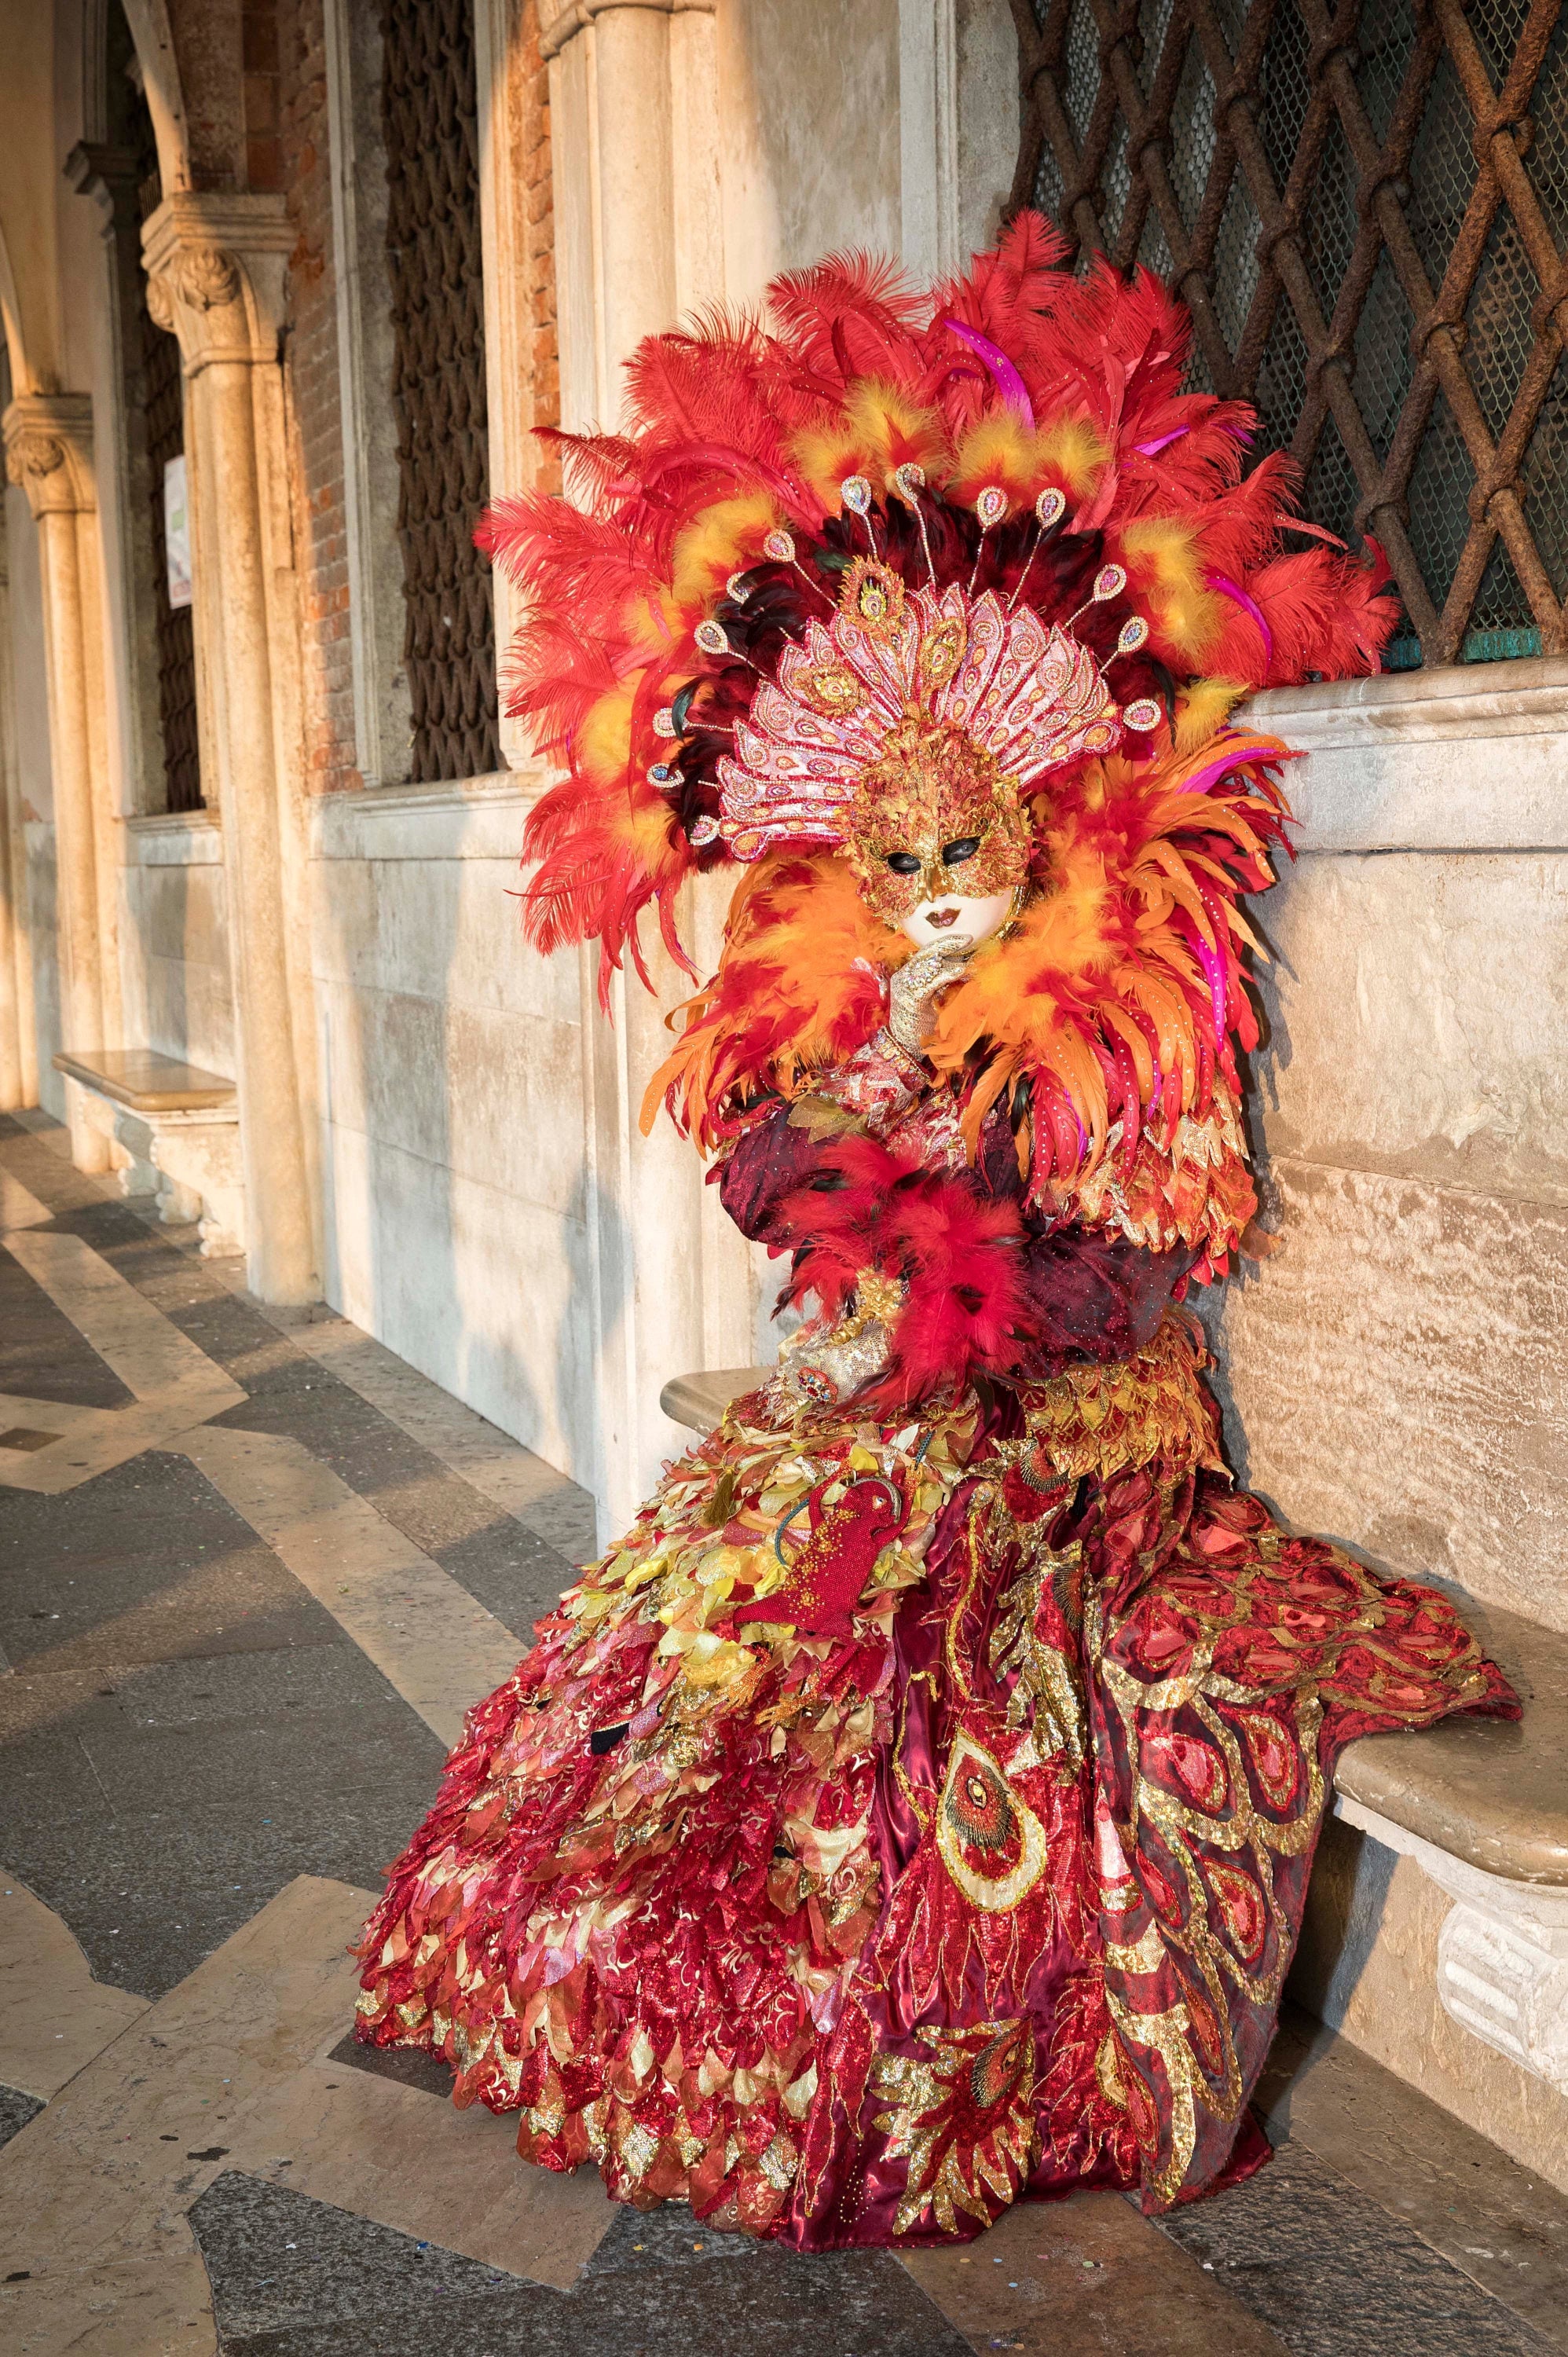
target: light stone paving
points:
(54, 2016)
(232, 2070)
(544, 1500)
(173, 1384)
(422, 1631)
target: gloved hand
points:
(916, 984)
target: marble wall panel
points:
(1366, 1965)
(38, 839)
(809, 110)
(495, 1097)
(487, 1295)
(1395, 1377)
(175, 959)
(1416, 1007)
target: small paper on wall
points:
(177, 530)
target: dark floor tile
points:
(333, 1676)
(41, 1354)
(511, 1572)
(16, 2111)
(145, 1563)
(148, 1897)
(352, 2289)
(278, 2258)
(285, 1762)
(508, 1568)
(49, 1778)
(407, 2066)
(1335, 2276)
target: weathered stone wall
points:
(1395, 1372)
(175, 942)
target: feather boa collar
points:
(1117, 997)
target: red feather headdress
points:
(1016, 445)
(1017, 380)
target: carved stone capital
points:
(49, 451)
(215, 274)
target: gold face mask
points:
(936, 817)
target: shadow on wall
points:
(1345, 1902)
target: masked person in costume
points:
(913, 1810)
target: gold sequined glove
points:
(916, 983)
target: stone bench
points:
(173, 1132)
(1481, 1807)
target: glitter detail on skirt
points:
(857, 1937)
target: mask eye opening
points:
(955, 854)
(904, 863)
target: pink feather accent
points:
(1214, 972)
(1009, 383)
(1161, 441)
(1239, 596)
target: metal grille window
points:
(1364, 203)
(438, 383)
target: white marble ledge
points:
(175, 839)
(1502, 1953)
(463, 818)
(1470, 758)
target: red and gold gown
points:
(913, 1810)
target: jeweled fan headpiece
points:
(1029, 695)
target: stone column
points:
(216, 269)
(633, 136)
(18, 1038)
(49, 451)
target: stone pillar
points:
(18, 1038)
(216, 269)
(49, 451)
(634, 137)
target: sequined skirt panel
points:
(905, 1818)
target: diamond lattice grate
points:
(438, 383)
(1364, 205)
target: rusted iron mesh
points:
(1364, 203)
(438, 383)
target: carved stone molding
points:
(1502, 1953)
(215, 272)
(204, 276)
(49, 451)
(560, 25)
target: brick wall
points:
(315, 417)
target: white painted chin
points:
(935, 921)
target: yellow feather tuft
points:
(1074, 449)
(893, 430)
(1204, 709)
(826, 453)
(1000, 450)
(1162, 559)
(715, 543)
(604, 741)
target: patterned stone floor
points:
(252, 1570)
